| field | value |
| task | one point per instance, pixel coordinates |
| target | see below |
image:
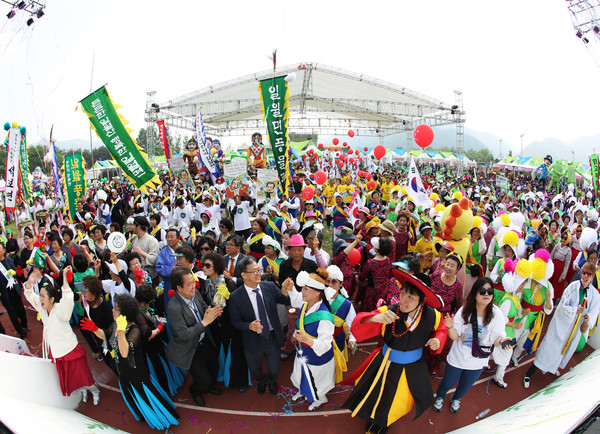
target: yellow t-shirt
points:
(346, 191)
(329, 191)
(386, 189)
(424, 246)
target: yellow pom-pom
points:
(12, 272)
(511, 238)
(38, 317)
(505, 219)
(523, 268)
(403, 191)
(535, 224)
(457, 195)
(439, 207)
(15, 124)
(434, 196)
(477, 221)
(538, 269)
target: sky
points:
(519, 64)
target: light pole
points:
(522, 134)
(500, 150)
(573, 156)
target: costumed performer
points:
(395, 378)
(59, 341)
(314, 371)
(342, 310)
(578, 308)
(144, 397)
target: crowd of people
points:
(213, 287)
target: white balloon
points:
(290, 77)
(571, 187)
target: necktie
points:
(198, 317)
(231, 266)
(262, 313)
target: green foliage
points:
(479, 155)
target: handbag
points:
(478, 351)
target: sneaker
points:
(455, 406)
(96, 397)
(315, 405)
(84, 395)
(500, 383)
(526, 381)
(515, 361)
(438, 404)
(297, 396)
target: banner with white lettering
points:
(12, 168)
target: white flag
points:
(415, 187)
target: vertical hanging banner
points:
(55, 176)
(163, 136)
(24, 167)
(595, 171)
(415, 187)
(204, 149)
(74, 180)
(12, 168)
(274, 95)
(111, 128)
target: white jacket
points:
(58, 334)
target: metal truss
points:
(399, 111)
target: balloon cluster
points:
(7, 127)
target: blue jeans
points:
(464, 377)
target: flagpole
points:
(91, 147)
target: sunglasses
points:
(486, 291)
(206, 265)
(586, 274)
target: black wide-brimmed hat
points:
(431, 298)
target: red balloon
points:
(320, 177)
(340, 163)
(351, 160)
(354, 257)
(350, 151)
(336, 141)
(379, 151)
(344, 144)
(351, 133)
(308, 193)
(366, 149)
(368, 175)
(423, 135)
(342, 157)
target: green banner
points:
(595, 171)
(502, 182)
(74, 176)
(274, 95)
(24, 166)
(111, 128)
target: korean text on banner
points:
(595, 171)
(204, 149)
(24, 166)
(12, 168)
(111, 128)
(274, 95)
(74, 180)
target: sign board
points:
(268, 179)
(236, 177)
(502, 182)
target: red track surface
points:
(252, 413)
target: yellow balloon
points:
(439, 207)
(434, 196)
(457, 195)
(15, 124)
(213, 151)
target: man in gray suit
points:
(192, 346)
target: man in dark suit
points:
(253, 310)
(192, 346)
(233, 248)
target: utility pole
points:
(522, 144)
(500, 150)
